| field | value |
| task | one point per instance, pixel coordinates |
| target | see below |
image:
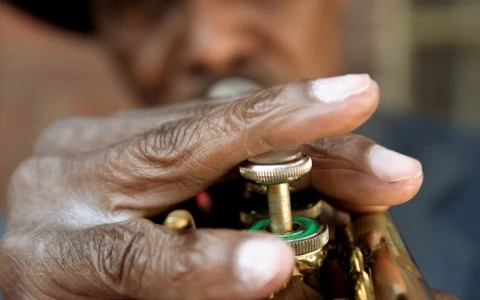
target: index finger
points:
(79, 134)
(179, 159)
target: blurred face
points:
(173, 50)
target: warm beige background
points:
(44, 75)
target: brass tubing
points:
(279, 208)
(394, 273)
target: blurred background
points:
(425, 55)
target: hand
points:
(77, 208)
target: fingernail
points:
(258, 261)
(338, 89)
(391, 166)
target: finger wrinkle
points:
(122, 257)
(169, 144)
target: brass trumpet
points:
(338, 256)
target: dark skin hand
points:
(78, 207)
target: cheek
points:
(298, 58)
(148, 62)
(144, 51)
(301, 38)
(147, 65)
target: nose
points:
(217, 43)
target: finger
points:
(141, 260)
(180, 159)
(82, 134)
(361, 176)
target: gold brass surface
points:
(360, 283)
(282, 172)
(262, 189)
(394, 274)
(275, 170)
(309, 262)
(279, 208)
(178, 220)
(311, 243)
(374, 259)
(312, 212)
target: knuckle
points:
(122, 254)
(58, 135)
(19, 276)
(12, 246)
(23, 179)
(159, 154)
(169, 144)
(7, 274)
(253, 109)
(28, 172)
(5, 250)
(24, 172)
(245, 120)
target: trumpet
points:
(338, 256)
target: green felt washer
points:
(309, 227)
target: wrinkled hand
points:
(77, 209)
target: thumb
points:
(215, 264)
(141, 260)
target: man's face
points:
(172, 50)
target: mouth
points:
(231, 86)
(228, 88)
